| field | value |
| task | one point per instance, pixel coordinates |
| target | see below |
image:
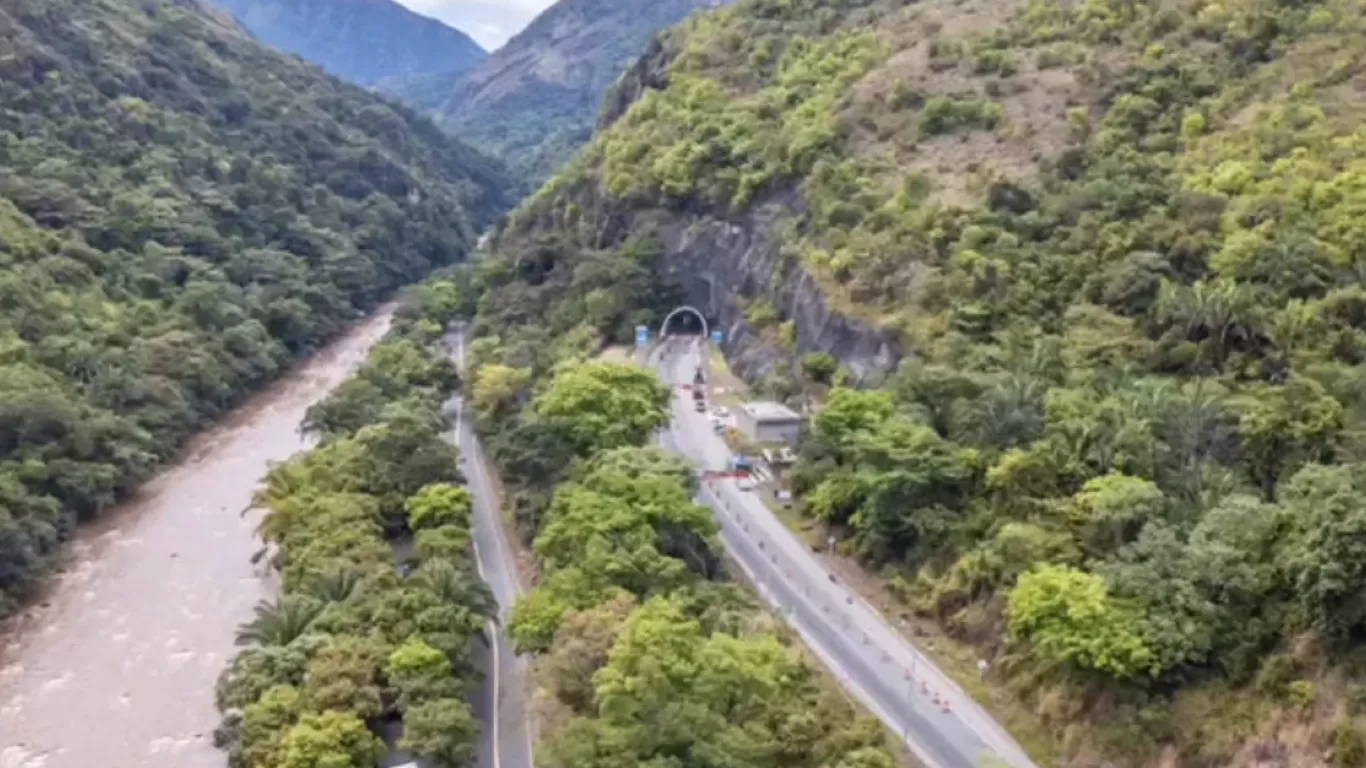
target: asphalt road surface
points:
(500, 704)
(942, 726)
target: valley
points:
(319, 447)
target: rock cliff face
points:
(719, 267)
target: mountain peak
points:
(534, 100)
(361, 40)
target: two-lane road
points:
(500, 703)
(873, 661)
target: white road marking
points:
(478, 469)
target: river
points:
(114, 666)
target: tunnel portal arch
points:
(664, 326)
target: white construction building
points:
(766, 422)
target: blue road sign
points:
(642, 336)
(716, 337)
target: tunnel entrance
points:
(684, 320)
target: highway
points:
(501, 701)
(874, 662)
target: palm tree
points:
(1217, 313)
(1010, 413)
(458, 586)
(335, 584)
(281, 622)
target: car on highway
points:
(701, 406)
(746, 484)
(720, 411)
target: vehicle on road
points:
(720, 411)
(701, 406)
(746, 484)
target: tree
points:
(536, 618)
(266, 722)
(580, 649)
(439, 505)
(1282, 426)
(848, 411)
(819, 366)
(443, 731)
(641, 462)
(257, 669)
(280, 622)
(352, 405)
(941, 393)
(454, 585)
(1066, 616)
(1233, 553)
(329, 740)
(1109, 511)
(344, 676)
(419, 673)
(603, 405)
(1220, 315)
(867, 757)
(496, 389)
(533, 451)
(1178, 621)
(1324, 559)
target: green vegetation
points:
(649, 653)
(532, 103)
(182, 214)
(355, 637)
(1121, 244)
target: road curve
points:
(500, 703)
(941, 725)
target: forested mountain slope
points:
(182, 212)
(533, 101)
(1096, 267)
(362, 40)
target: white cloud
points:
(490, 22)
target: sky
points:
(489, 22)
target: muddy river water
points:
(114, 666)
